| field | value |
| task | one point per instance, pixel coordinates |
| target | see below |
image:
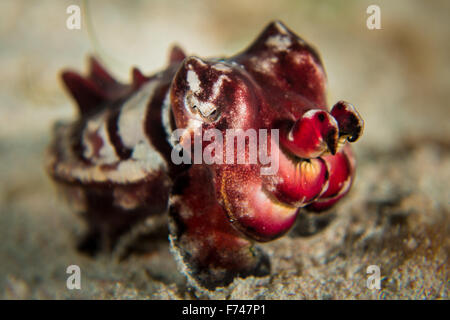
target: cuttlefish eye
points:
(207, 111)
(203, 85)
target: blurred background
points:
(398, 78)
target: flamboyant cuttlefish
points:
(115, 161)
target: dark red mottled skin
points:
(217, 211)
(277, 85)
